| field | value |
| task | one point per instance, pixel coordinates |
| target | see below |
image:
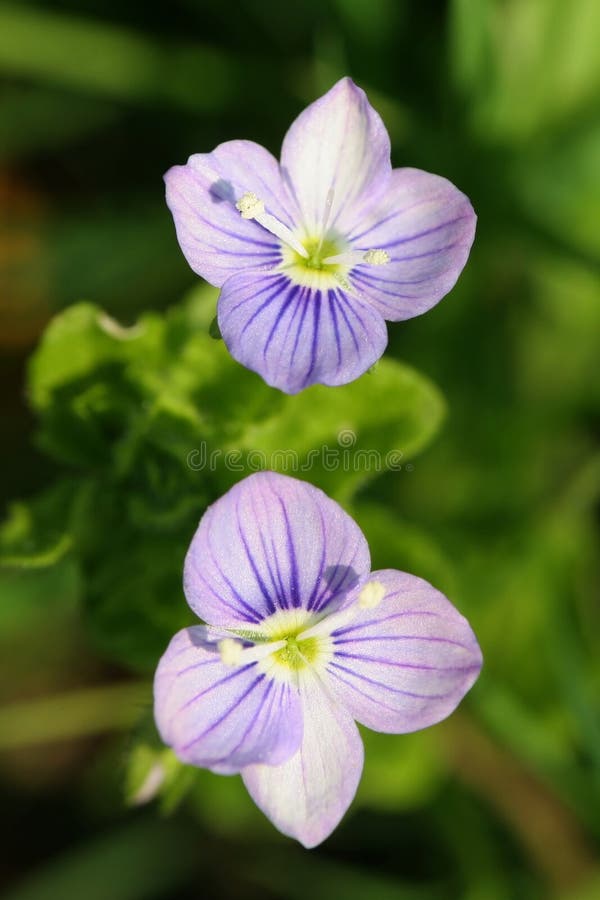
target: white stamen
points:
(355, 257)
(252, 207)
(231, 651)
(371, 595)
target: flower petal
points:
(337, 147)
(295, 335)
(427, 226)
(218, 716)
(272, 543)
(307, 796)
(201, 195)
(406, 664)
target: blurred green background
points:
(111, 378)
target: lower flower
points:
(304, 641)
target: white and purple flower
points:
(303, 640)
(315, 253)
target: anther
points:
(371, 595)
(356, 257)
(376, 257)
(231, 651)
(252, 207)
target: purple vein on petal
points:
(284, 602)
(332, 309)
(264, 290)
(290, 298)
(278, 585)
(402, 665)
(318, 579)
(364, 694)
(338, 297)
(262, 307)
(227, 712)
(246, 607)
(383, 686)
(305, 300)
(375, 285)
(400, 615)
(261, 708)
(421, 234)
(331, 589)
(214, 685)
(354, 312)
(211, 224)
(253, 566)
(316, 305)
(401, 637)
(295, 584)
(356, 237)
(174, 675)
(297, 305)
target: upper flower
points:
(313, 254)
(302, 640)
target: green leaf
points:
(35, 535)
(162, 420)
(341, 438)
(134, 601)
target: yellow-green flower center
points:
(293, 648)
(312, 271)
(298, 654)
(318, 251)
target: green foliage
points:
(108, 60)
(500, 512)
(156, 420)
(527, 65)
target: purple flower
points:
(303, 639)
(313, 254)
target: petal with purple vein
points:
(307, 796)
(272, 543)
(296, 336)
(222, 717)
(407, 663)
(427, 227)
(333, 155)
(201, 195)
